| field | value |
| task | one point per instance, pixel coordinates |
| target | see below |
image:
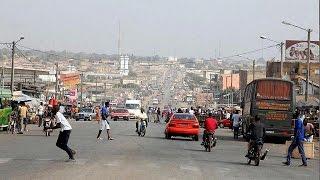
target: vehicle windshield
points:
(120, 111)
(184, 117)
(86, 110)
(132, 106)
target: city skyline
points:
(201, 30)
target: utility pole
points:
(253, 69)
(96, 90)
(57, 81)
(2, 78)
(105, 89)
(281, 63)
(81, 77)
(12, 68)
(308, 67)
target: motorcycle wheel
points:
(257, 159)
(209, 147)
(249, 161)
(143, 132)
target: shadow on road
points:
(229, 138)
(196, 150)
(224, 162)
(180, 139)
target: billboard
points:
(298, 50)
(70, 80)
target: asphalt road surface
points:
(34, 156)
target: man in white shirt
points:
(40, 113)
(64, 134)
(191, 111)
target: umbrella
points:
(20, 97)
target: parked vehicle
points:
(210, 142)
(85, 114)
(182, 124)
(120, 113)
(274, 101)
(225, 123)
(4, 118)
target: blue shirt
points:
(104, 112)
(299, 130)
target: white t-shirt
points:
(191, 112)
(40, 110)
(64, 123)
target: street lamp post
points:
(308, 60)
(14, 43)
(281, 44)
(253, 65)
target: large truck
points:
(273, 100)
(134, 108)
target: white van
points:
(133, 107)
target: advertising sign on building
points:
(70, 80)
(298, 50)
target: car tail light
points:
(195, 126)
(172, 125)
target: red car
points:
(120, 114)
(182, 124)
(225, 123)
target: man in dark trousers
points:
(297, 141)
(64, 134)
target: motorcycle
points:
(142, 128)
(47, 126)
(12, 126)
(254, 153)
(209, 142)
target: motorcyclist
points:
(210, 126)
(142, 117)
(257, 132)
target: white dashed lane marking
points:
(189, 168)
(114, 163)
(4, 160)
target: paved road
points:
(34, 156)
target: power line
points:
(23, 55)
(44, 52)
(248, 52)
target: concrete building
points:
(124, 65)
(230, 81)
(296, 71)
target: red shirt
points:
(210, 124)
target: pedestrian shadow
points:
(195, 150)
(39, 135)
(224, 162)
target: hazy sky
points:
(183, 28)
